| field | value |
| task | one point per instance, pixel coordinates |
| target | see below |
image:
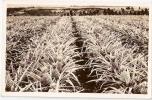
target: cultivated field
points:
(86, 54)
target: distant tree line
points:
(126, 11)
(80, 11)
(13, 10)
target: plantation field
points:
(82, 54)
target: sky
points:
(79, 2)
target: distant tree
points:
(122, 11)
(135, 13)
(142, 12)
(109, 11)
(146, 11)
(116, 12)
(105, 12)
(139, 8)
(132, 8)
(71, 13)
(97, 12)
(128, 8)
(80, 13)
(119, 13)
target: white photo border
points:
(87, 95)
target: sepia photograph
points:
(77, 49)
